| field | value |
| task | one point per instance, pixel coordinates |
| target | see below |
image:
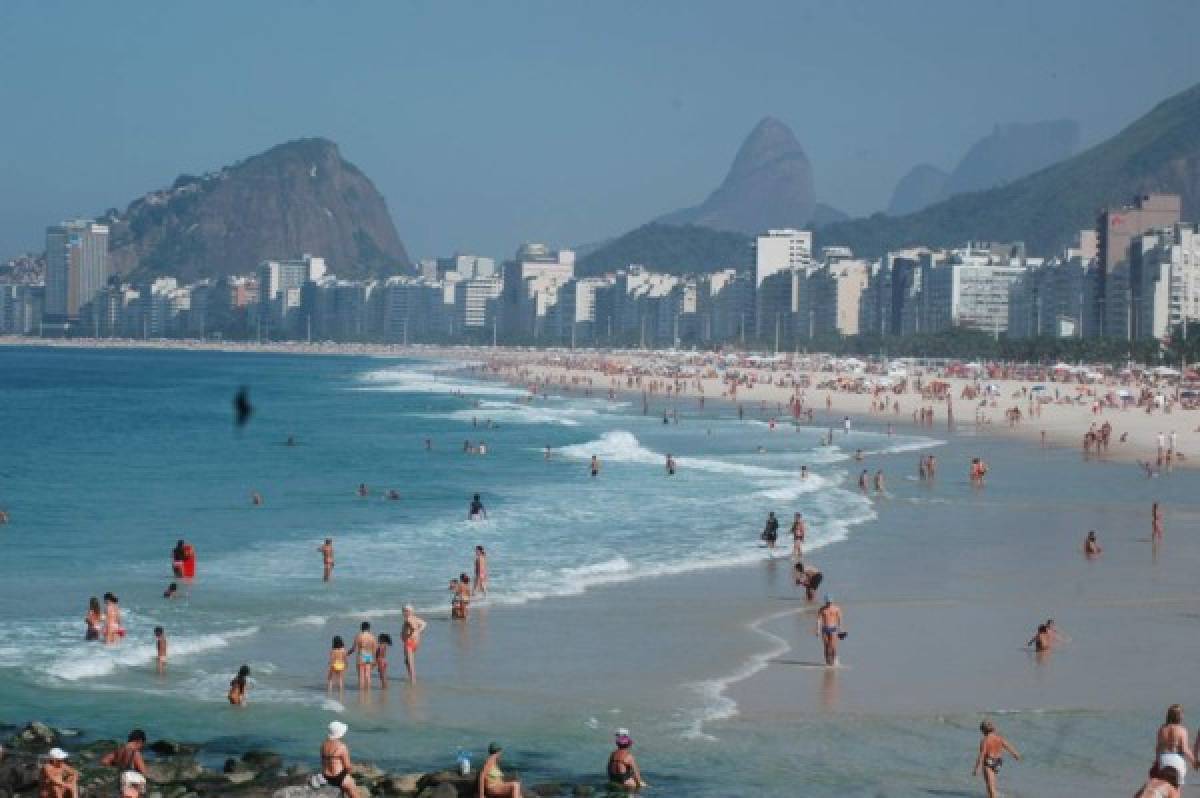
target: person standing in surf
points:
(410, 635)
(798, 533)
(326, 550)
(595, 466)
(481, 572)
(770, 532)
(476, 512)
(364, 646)
(991, 756)
(829, 627)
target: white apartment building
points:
(775, 252)
(1167, 293)
(970, 288)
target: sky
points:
(485, 124)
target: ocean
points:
(634, 599)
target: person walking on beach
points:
(798, 532)
(491, 777)
(770, 532)
(595, 466)
(335, 760)
(1171, 745)
(829, 627)
(238, 686)
(129, 755)
(410, 636)
(991, 756)
(622, 767)
(481, 571)
(326, 550)
(1091, 546)
(364, 646)
(57, 779)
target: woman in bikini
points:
(93, 620)
(238, 686)
(335, 760)
(481, 571)
(491, 778)
(991, 756)
(337, 666)
(1171, 748)
(1163, 783)
(410, 635)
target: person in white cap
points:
(335, 760)
(57, 779)
(622, 768)
(133, 784)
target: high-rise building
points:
(1115, 229)
(280, 295)
(970, 288)
(76, 267)
(530, 288)
(774, 252)
(1166, 286)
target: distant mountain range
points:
(674, 249)
(1008, 153)
(299, 197)
(1158, 152)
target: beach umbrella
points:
(1166, 371)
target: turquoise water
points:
(627, 600)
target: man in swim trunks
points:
(364, 644)
(410, 636)
(326, 550)
(829, 627)
(991, 756)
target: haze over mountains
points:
(299, 197)
(1009, 152)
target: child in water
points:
(238, 686)
(160, 649)
(381, 663)
(337, 666)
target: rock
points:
(444, 790)
(165, 748)
(547, 790)
(307, 792)
(239, 777)
(37, 733)
(231, 766)
(168, 771)
(18, 775)
(464, 786)
(404, 784)
(583, 791)
(262, 760)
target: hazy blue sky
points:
(488, 123)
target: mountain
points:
(1013, 151)
(769, 185)
(924, 185)
(676, 249)
(299, 197)
(1007, 153)
(1158, 152)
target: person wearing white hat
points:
(335, 760)
(57, 779)
(133, 784)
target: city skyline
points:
(582, 151)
